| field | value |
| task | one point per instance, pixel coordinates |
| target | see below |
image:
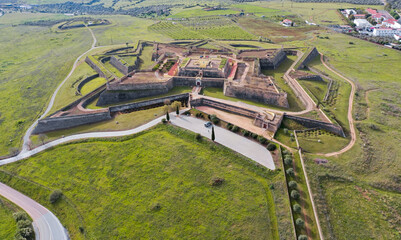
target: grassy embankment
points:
(154, 185)
(8, 225)
(37, 60)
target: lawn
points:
(37, 60)
(361, 212)
(8, 225)
(146, 58)
(320, 141)
(318, 89)
(92, 85)
(153, 185)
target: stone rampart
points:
(85, 81)
(64, 122)
(149, 103)
(123, 67)
(311, 123)
(224, 107)
(306, 59)
(191, 81)
(273, 62)
(95, 67)
(257, 95)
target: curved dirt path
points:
(350, 105)
(25, 145)
(368, 102)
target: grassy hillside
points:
(155, 185)
(37, 59)
(8, 225)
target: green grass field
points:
(92, 85)
(198, 12)
(153, 185)
(320, 141)
(30, 71)
(317, 88)
(8, 225)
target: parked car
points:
(208, 124)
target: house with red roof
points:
(287, 22)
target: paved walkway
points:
(45, 224)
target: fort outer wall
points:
(310, 55)
(310, 123)
(86, 80)
(95, 67)
(258, 95)
(123, 68)
(64, 122)
(116, 93)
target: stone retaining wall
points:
(311, 78)
(64, 122)
(149, 103)
(310, 123)
(95, 67)
(83, 82)
(310, 55)
(257, 95)
(123, 68)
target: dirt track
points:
(350, 105)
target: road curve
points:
(350, 105)
(45, 224)
(25, 145)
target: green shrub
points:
(288, 161)
(19, 216)
(55, 196)
(262, 140)
(295, 194)
(297, 208)
(290, 172)
(271, 147)
(292, 184)
(229, 126)
(245, 132)
(214, 119)
(216, 181)
(164, 120)
(24, 224)
(235, 128)
(302, 237)
(198, 137)
(299, 222)
(27, 233)
(254, 135)
(155, 207)
(156, 67)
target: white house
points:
(386, 32)
(362, 23)
(349, 12)
(397, 37)
(391, 23)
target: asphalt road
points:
(244, 146)
(46, 225)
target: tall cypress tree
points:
(167, 116)
(213, 136)
(177, 111)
